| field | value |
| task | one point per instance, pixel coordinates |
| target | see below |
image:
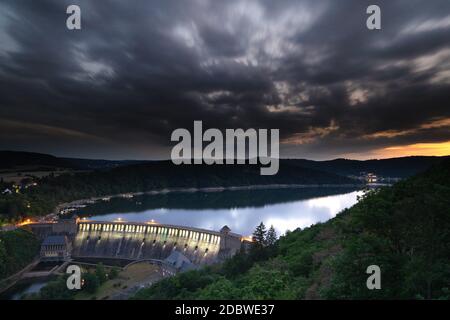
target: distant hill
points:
(25, 160)
(14, 159)
(162, 174)
(394, 167)
(94, 164)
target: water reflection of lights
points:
(234, 213)
(243, 220)
(333, 204)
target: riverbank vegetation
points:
(404, 229)
(18, 248)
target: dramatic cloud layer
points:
(139, 69)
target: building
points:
(55, 248)
(230, 243)
(66, 226)
(371, 178)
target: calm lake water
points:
(24, 287)
(242, 211)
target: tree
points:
(271, 236)
(241, 262)
(91, 283)
(55, 290)
(267, 282)
(259, 235)
(3, 259)
(100, 273)
(219, 290)
(113, 273)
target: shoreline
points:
(92, 200)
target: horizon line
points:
(192, 158)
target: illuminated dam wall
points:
(139, 241)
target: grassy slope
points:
(404, 229)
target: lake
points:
(241, 210)
(24, 287)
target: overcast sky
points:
(139, 69)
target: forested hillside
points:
(404, 229)
(394, 167)
(17, 249)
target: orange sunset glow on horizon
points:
(417, 149)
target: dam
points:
(135, 241)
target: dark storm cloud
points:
(139, 69)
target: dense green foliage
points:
(18, 248)
(54, 290)
(57, 288)
(404, 229)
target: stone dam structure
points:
(136, 241)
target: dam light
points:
(248, 238)
(25, 222)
